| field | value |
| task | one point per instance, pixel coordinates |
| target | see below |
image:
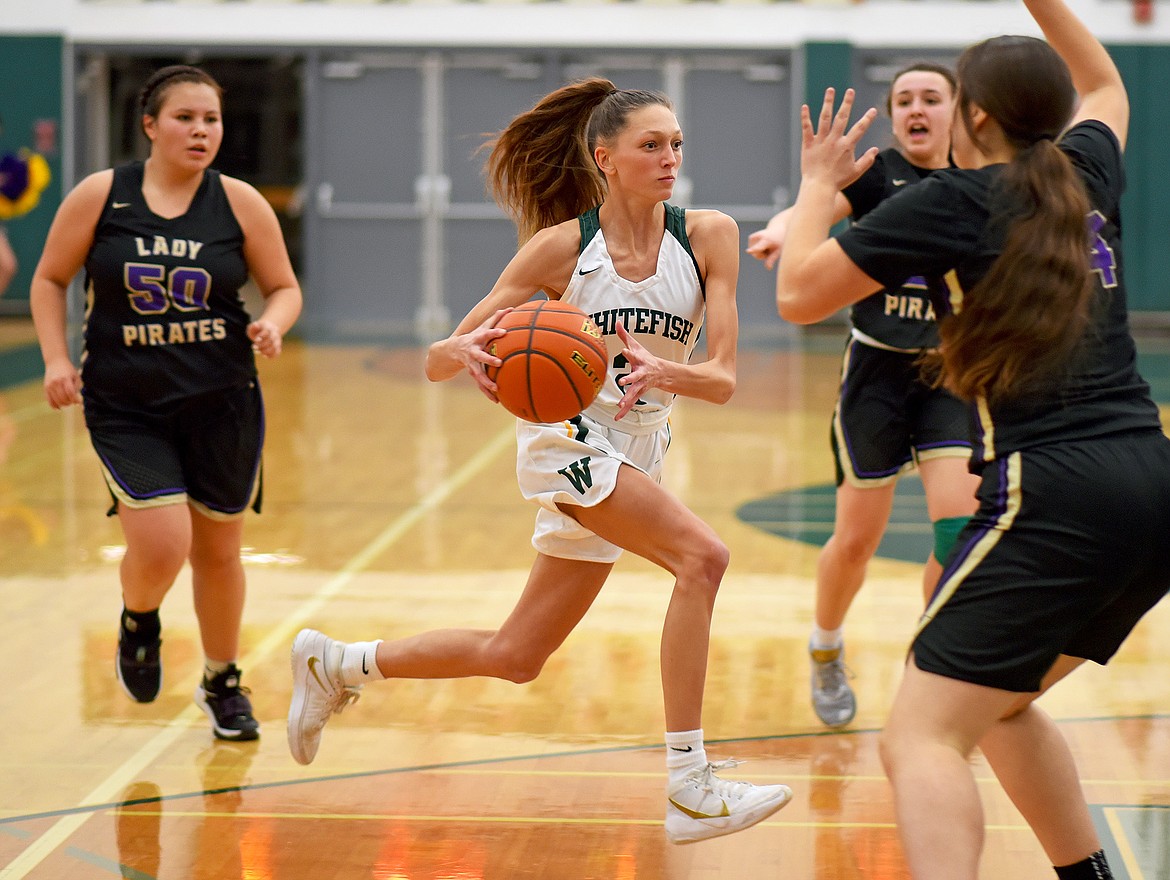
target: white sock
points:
(684, 752)
(827, 639)
(212, 668)
(359, 663)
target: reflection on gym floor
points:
(390, 507)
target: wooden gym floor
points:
(390, 507)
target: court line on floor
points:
(1130, 863)
(482, 819)
(491, 766)
(279, 637)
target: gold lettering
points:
(585, 368)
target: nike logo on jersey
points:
(898, 181)
(587, 271)
(121, 205)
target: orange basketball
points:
(554, 361)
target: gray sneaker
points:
(832, 697)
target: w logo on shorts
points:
(578, 474)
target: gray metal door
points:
(401, 237)
(363, 225)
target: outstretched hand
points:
(826, 152)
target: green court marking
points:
(806, 515)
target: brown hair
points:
(926, 67)
(154, 90)
(541, 168)
(1020, 325)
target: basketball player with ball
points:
(587, 173)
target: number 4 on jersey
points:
(1101, 257)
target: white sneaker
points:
(318, 691)
(702, 805)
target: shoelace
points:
(831, 676)
(725, 788)
(346, 696)
(143, 653)
(350, 695)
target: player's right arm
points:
(69, 240)
(1094, 75)
(545, 262)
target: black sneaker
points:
(139, 669)
(226, 704)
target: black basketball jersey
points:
(940, 229)
(901, 316)
(163, 318)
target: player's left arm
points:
(714, 240)
(269, 265)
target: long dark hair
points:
(1020, 325)
(541, 168)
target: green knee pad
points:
(946, 532)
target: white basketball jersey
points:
(663, 312)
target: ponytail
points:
(540, 168)
(1020, 325)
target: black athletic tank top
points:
(900, 317)
(163, 317)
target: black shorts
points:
(887, 418)
(204, 450)
(1069, 549)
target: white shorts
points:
(577, 462)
